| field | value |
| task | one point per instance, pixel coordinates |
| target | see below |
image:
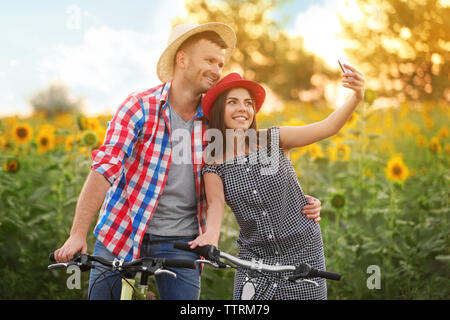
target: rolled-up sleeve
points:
(122, 132)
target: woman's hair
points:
(217, 115)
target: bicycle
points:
(303, 271)
(138, 271)
(134, 274)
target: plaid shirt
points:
(135, 159)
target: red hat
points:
(233, 80)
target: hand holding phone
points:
(352, 78)
(343, 60)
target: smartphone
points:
(341, 61)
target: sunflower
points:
(443, 132)
(447, 148)
(435, 145)
(351, 122)
(92, 124)
(70, 142)
(337, 200)
(2, 142)
(368, 173)
(429, 122)
(421, 141)
(86, 151)
(12, 165)
(342, 152)
(331, 153)
(47, 127)
(45, 141)
(315, 151)
(85, 123)
(82, 122)
(22, 132)
(396, 170)
(100, 132)
(339, 137)
(410, 129)
(64, 120)
(89, 139)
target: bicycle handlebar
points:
(209, 252)
(304, 270)
(83, 260)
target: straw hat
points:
(180, 33)
(233, 80)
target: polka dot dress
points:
(263, 191)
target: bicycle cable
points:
(105, 270)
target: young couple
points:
(147, 201)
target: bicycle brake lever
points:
(58, 265)
(164, 271)
(307, 280)
(212, 263)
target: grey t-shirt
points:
(176, 213)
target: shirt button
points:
(248, 169)
(255, 191)
(270, 236)
(276, 252)
(275, 285)
(264, 213)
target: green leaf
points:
(442, 258)
(40, 193)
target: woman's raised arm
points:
(299, 136)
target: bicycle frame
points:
(130, 290)
(133, 290)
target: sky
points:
(105, 49)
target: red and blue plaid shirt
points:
(135, 158)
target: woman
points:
(266, 199)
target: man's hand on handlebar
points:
(72, 246)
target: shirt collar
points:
(199, 113)
(165, 94)
(164, 100)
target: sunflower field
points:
(383, 182)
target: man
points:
(147, 200)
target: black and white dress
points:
(263, 191)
